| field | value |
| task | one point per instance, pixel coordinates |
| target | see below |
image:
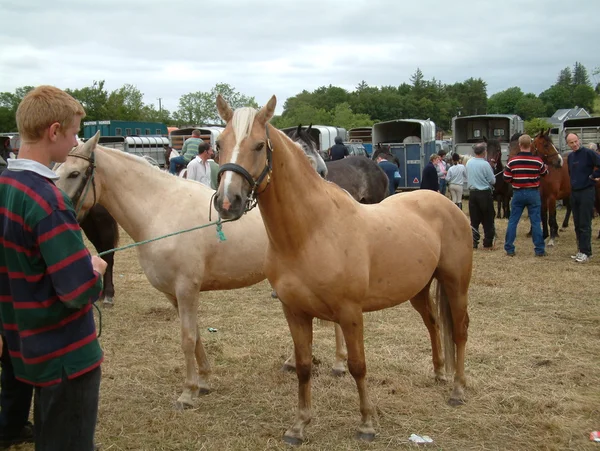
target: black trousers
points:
(15, 399)
(65, 414)
(481, 210)
(582, 205)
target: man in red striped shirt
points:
(523, 171)
(48, 279)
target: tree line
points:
(332, 105)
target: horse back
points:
(361, 177)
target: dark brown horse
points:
(502, 190)
(360, 176)
(554, 186)
(103, 232)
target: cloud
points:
(262, 47)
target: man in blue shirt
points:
(581, 172)
(391, 170)
(481, 181)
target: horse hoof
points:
(203, 391)
(288, 368)
(338, 373)
(455, 402)
(181, 406)
(293, 441)
(108, 302)
(365, 436)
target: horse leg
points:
(567, 204)
(545, 220)
(109, 286)
(422, 304)
(499, 209)
(552, 221)
(452, 300)
(351, 322)
(187, 302)
(339, 368)
(301, 329)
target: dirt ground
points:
(533, 365)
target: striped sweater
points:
(47, 283)
(524, 171)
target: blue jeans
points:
(522, 198)
(174, 162)
(582, 203)
(442, 186)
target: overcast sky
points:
(265, 47)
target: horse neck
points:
(127, 188)
(294, 200)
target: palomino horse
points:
(180, 266)
(502, 190)
(332, 258)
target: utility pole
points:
(160, 104)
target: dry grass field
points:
(533, 365)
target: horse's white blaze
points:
(242, 121)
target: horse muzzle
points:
(230, 206)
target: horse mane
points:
(242, 121)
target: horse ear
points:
(299, 129)
(309, 127)
(541, 133)
(224, 109)
(266, 113)
(548, 132)
(89, 146)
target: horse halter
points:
(88, 179)
(254, 184)
(546, 156)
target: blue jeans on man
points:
(174, 162)
(530, 198)
(582, 205)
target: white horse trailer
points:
(411, 141)
(142, 146)
(469, 130)
(323, 134)
(208, 133)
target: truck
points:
(411, 141)
(469, 130)
(362, 135)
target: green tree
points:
(565, 78)
(471, 96)
(93, 99)
(584, 96)
(125, 103)
(9, 101)
(303, 114)
(533, 126)
(530, 106)
(556, 97)
(344, 117)
(505, 102)
(196, 108)
(580, 75)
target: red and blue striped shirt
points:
(47, 283)
(524, 171)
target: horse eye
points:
(260, 146)
(74, 175)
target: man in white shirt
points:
(199, 168)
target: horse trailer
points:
(412, 142)
(363, 135)
(123, 128)
(142, 146)
(469, 130)
(587, 128)
(208, 133)
(324, 135)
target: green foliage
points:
(9, 103)
(196, 108)
(505, 102)
(533, 126)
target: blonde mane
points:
(242, 121)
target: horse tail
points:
(446, 328)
